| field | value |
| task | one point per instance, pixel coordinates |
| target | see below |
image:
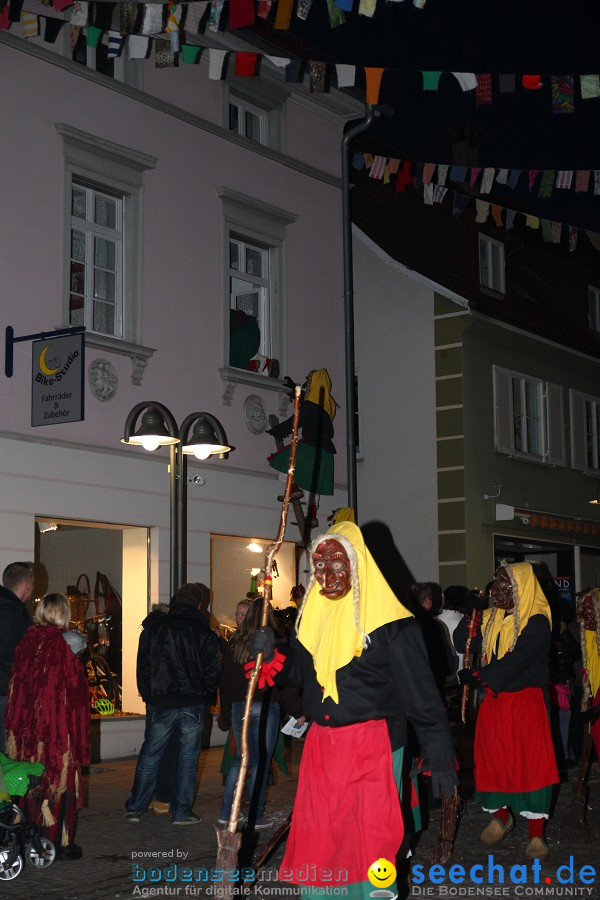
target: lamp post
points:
(201, 435)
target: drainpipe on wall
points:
(349, 305)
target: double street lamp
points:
(200, 435)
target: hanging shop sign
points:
(57, 380)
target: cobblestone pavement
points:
(112, 846)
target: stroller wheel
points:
(10, 866)
(40, 860)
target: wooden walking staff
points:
(465, 690)
(229, 838)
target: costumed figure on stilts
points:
(515, 765)
(314, 461)
(360, 658)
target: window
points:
(96, 283)
(491, 264)
(254, 238)
(248, 121)
(97, 58)
(249, 286)
(529, 419)
(594, 309)
(103, 242)
(585, 431)
(255, 111)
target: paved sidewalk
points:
(112, 846)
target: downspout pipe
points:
(349, 304)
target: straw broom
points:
(573, 823)
(229, 839)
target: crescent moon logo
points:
(43, 366)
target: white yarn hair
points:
(351, 554)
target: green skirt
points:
(527, 801)
(314, 467)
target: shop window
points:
(236, 569)
(103, 570)
(585, 431)
(528, 417)
(491, 264)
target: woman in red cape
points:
(47, 721)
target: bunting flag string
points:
(180, 24)
(423, 176)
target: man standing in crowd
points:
(515, 766)
(588, 616)
(178, 672)
(16, 590)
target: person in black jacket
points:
(178, 674)
(16, 590)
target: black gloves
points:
(592, 714)
(263, 641)
(443, 783)
(469, 676)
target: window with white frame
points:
(585, 431)
(529, 419)
(248, 121)
(491, 264)
(254, 238)
(96, 265)
(250, 285)
(98, 58)
(594, 308)
(255, 111)
(103, 237)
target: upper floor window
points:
(585, 431)
(98, 58)
(248, 121)
(255, 111)
(103, 235)
(491, 264)
(96, 264)
(255, 234)
(529, 420)
(594, 308)
(250, 288)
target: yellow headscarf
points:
(592, 654)
(344, 514)
(531, 601)
(328, 627)
(319, 391)
(593, 661)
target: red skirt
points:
(347, 810)
(513, 744)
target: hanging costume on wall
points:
(515, 765)
(360, 687)
(314, 455)
(47, 721)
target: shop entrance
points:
(103, 569)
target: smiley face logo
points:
(381, 873)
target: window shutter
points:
(502, 411)
(578, 431)
(484, 269)
(555, 424)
